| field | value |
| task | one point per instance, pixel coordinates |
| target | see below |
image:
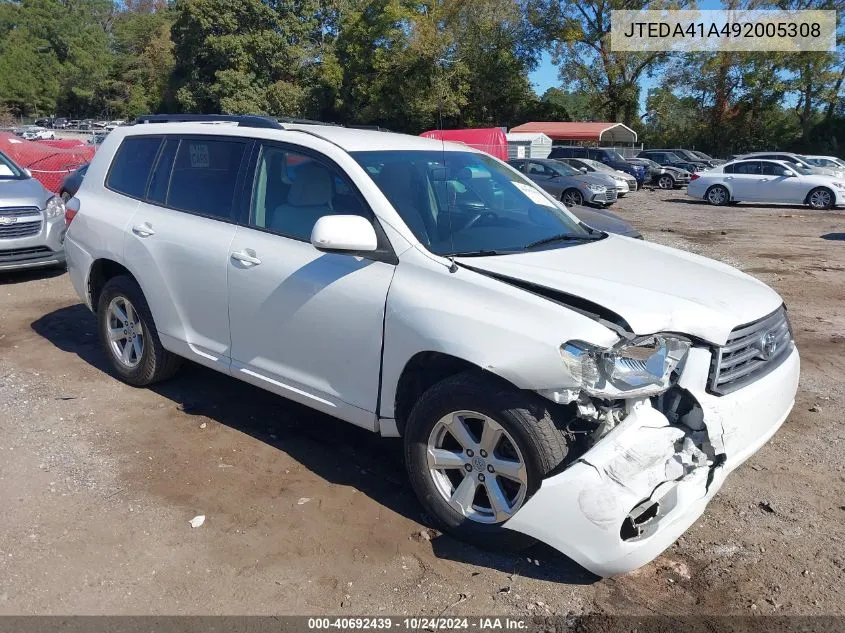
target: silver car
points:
(663, 176)
(625, 182)
(32, 220)
(795, 159)
(567, 184)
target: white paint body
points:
(766, 188)
(335, 331)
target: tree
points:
(579, 35)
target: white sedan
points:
(766, 181)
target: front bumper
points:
(581, 511)
(44, 248)
(603, 198)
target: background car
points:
(669, 159)
(715, 162)
(663, 176)
(567, 184)
(34, 133)
(71, 183)
(604, 220)
(692, 157)
(769, 181)
(625, 182)
(32, 220)
(605, 155)
(794, 159)
(829, 162)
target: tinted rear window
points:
(130, 169)
(204, 176)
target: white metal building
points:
(528, 145)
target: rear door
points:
(746, 181)
(307, 325)
(179, 240)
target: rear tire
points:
(820, 198)
(129, 336)
(718, 196)
(666, 182)
(469, 405)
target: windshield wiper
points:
(563, 237)
(480, 253)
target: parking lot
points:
(306, 514)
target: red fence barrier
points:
(47, 163)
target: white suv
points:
(550, 381)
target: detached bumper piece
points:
(643, 484)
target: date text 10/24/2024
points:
(419, 623)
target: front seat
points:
(309, 199)
(398, 184)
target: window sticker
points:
(199, 155)
(532, 194)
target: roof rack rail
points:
(297, 120)
(243, 120)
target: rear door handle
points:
(764, 180)
(247, 257)
(143, 230)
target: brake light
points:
(71, 209)
(694, 176)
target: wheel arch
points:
(817, 187)
(424, 370)
(101, 271)
(724, 185)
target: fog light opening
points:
(641, 515)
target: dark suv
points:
(671, 158)
(608, 156)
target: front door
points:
(305, 324)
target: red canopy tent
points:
(47, 164)
(491, 140)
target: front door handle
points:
(246, 256)
(143, 230)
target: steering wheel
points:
(477, 217)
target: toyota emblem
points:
(769, 345)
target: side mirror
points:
(788, 173)
(344, 234)
(583, 170)
(28, 173)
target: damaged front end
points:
(645, 465)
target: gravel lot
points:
(308, 515)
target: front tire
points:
(476, 450)
(572, 198)
(820, 198)
(718, 196)
(129, 336)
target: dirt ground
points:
(308, 515)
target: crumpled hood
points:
(23, 193)
(653, 287)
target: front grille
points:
(11, 225)
(608, 196)
(752, 351)
(24, 254)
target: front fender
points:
(503, 329)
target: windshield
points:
(615, 156)
(562, 169)
(702, 155)
(466, 203)
(600, 166)
(673, 158)
(8, 168)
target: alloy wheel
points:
(666, 182)
(125, 332)
(572, 198)
(717, 195)
(820, 199)
(477, 467)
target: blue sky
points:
(545, 75)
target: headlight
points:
(55, 208)
(642, 367)
(597, 188)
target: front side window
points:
(130, 169)
(293, 190)
(773, 169)
(9, 169)
(467, 203)
(204, 176)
